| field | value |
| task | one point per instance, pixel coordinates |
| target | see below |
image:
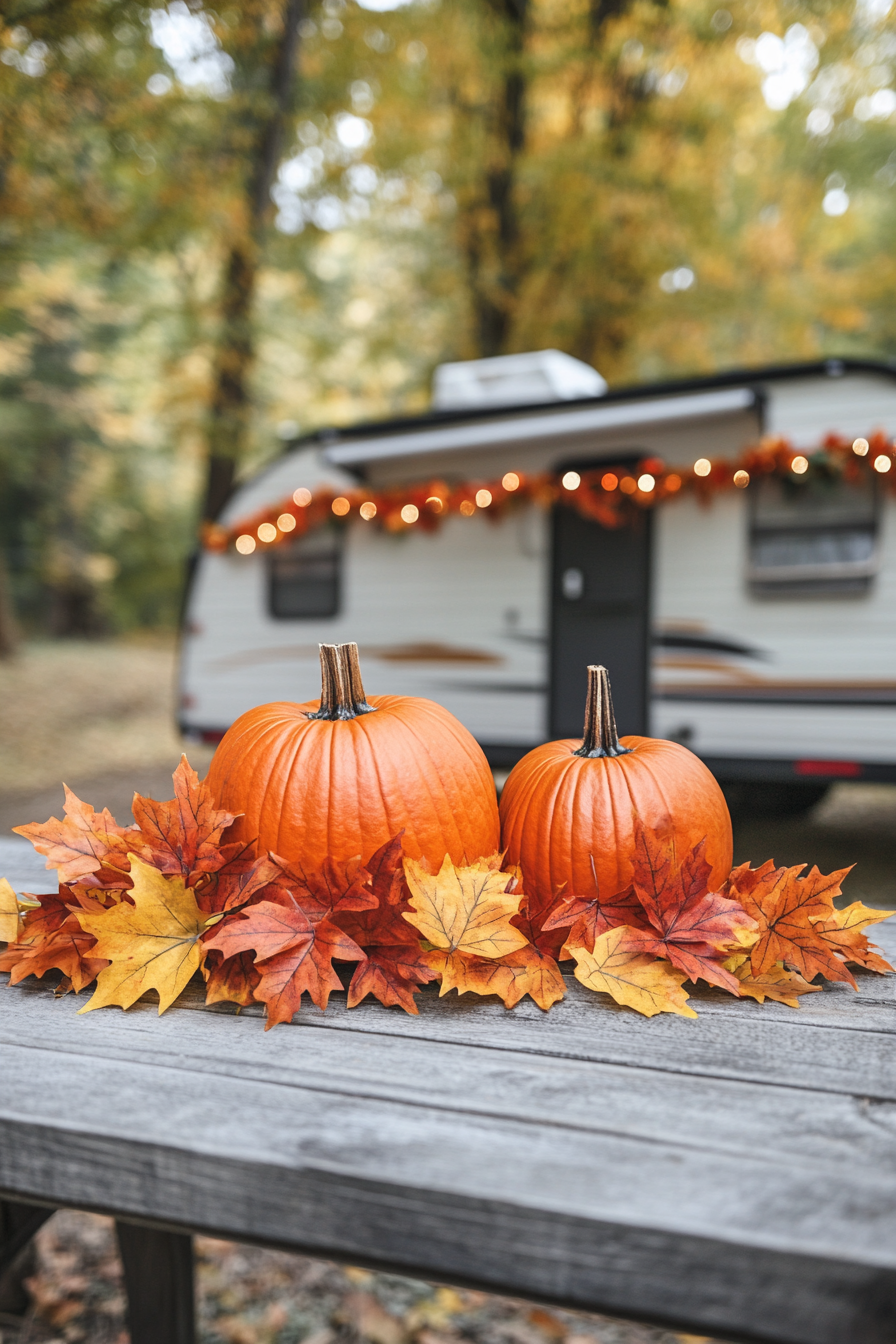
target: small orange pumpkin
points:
(567, 807)
(340, 776)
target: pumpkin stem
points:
(341, 692)
(350, 666)
(600, 738)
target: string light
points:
(391, 507)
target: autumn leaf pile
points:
(147, 907)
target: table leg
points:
(18, 1224)
(158, 1276)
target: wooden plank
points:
(170, 1143)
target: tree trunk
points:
(9, 626)
(492, 235)
(235, 354)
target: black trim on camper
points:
(750, 378)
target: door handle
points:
(572, 583)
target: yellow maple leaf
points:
(9, 913)
(464, 909)
(631, 977)
(152, 944)
(527, 971)
(777, 983)
(854, 917)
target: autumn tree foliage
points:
(215, 224)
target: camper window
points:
(812, 539)
(304, 577)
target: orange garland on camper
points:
(608, 494)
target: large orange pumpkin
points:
(341, 776)
(567, 807)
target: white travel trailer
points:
(759, 629)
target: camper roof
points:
(642, 393)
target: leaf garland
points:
(145, 907)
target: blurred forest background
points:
(219, 227)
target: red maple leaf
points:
(690, 926)
(293, 940)
(587, 917)
(183, 836)
(396, 964)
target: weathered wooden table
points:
(734, 1175)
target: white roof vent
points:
(514, 380)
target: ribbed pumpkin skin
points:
(558, 809)
(310, 788)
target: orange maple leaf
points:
(183, 836)
(786, 908)
(777, 983)
(231, 979)
(396, 964)
(843, 933)
(691, 926)
(66, 947)
(528, 970)
(587, 917)
(84, 843)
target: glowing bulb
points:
(368, 510)
(245, 544)
(436, 503)
(410, 513)
(882, 463)
(628, 485)
(483, 498)
(467, 508)
(340, 506)
(510, 481)
(646, 483)
(302, 497)
(672, 483)
(267, 532)
(860, 447)
(286, 522)
(800, 465)
(741, 479)
(609, 481)
(702, 467)
(571, 480)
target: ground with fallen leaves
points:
(251, 1296)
